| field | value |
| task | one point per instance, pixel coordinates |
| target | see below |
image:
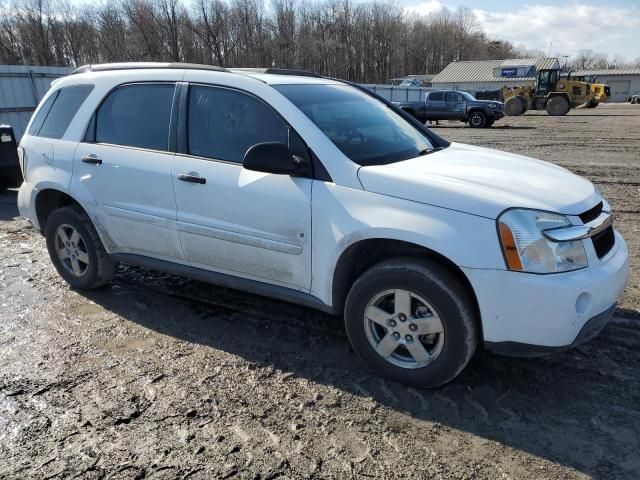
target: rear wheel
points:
(513, 106)
(412, 321)
(557, 106)
(76, 250)
(477, 119)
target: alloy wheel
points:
(71, 250)
(404, 329)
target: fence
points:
(21, 89)
(396, 93)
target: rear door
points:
(125, 163)
(232, 220)
(435, 106)
(455, 105)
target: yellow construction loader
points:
(601, 91)
(550, 92)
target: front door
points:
(125, 166)
(236, 221)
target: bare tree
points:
(365, 42)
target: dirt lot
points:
(162, 377)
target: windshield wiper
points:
(426, 151)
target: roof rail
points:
(103, 67)
(277, 71)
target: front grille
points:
(591, 214)
(603, 241)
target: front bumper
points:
(549, 311)
(590, 329)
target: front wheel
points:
(558, 106)
(411, 320)
(477, 119)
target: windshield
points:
(468, 96)
(363, 128)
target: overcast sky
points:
(607, 26)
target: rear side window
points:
(436, 96)
(56, 114)
(136, 115)
(42, 114)
(224, 124)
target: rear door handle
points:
(192, 177)
(91, 159)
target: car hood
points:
(482, 182)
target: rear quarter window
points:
(59, 110)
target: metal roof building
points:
(492, 74)
(623, 82)
(21, 89)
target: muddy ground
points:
(161, 377)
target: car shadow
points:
(8, 205)
(494, 127)
(549, 407)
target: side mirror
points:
(273, 157)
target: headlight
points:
(526, 249)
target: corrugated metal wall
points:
(21, 89)
(395, 93)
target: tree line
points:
(364, 42)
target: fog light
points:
(583, 303)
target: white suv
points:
(319, 192)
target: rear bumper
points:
(26, 203)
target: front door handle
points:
(192, 177)
(91, 159)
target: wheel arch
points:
(566, 96)
(48, 200)
(473, 110)
(363, 254)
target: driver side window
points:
(223, 123)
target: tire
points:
(557, 106)
(433, 290)
(477, 119)
(95, 268)
(513, 106)
(524, 105)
